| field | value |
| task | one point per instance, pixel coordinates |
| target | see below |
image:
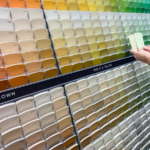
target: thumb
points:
(133, 52)
(147, 48)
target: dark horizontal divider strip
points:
(26, 90)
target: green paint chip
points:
(132, 10)
(126, 54)
(138, 10)
(113, 2)
(126, 3)
(115, 9)
(120, 2)
(105, 59)
(120, 55)
(122, 9)
(113, 57)
(128, 9)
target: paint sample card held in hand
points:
(139, 40)
(136, 41)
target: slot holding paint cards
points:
(29, 58)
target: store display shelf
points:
(33, 88)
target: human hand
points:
(141, 55)
(146, 48)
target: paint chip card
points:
(139, 40)
(133, 42)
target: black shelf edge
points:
(30, 89)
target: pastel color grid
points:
(45, 123)
(26, 54)
(108, 109)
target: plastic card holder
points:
(38, 145)
(61, 113)
(72, 87)
(73, 97)
(41, 34)
(68, 32)
(12, 135)
(96, 97)
(16, 69)
(101, 77)
(65, 60)
(59, 42)
(47, 119)
(28, 45)
(42, 98)
(70, 141)
(33, 138)
(30, 56)
(81, 123)
(28, 115)
(6, 24)
(57, 33)
(75, 15)
(22, 24)
(104, 22)
(66, 23)
(7, 36)
(56, 93)
(4, 13)
(107, 137)
(77, 23)
(84, 92)
(85, 15)
(92, 117)
(54, 24)
(25, 104)
(7, 110)
(87, 22)
(57, 146)
(43, 43)
(92, 80)
(18, 144)
(71, 41)
(33, 66)
(36, 13)
(87, 101)
(19, 13)
(94, 15)
(38, 24)
(94, 88)
(82, 84)
(103, 85)
(96, 23)
(76, 106)
(45, 109)
(9, 123)
(69, 131)
(50, 130)
(79, 114)
(65, 122)
(24, 35)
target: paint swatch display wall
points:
(26, 53)
(89, 33)
(107, 110)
